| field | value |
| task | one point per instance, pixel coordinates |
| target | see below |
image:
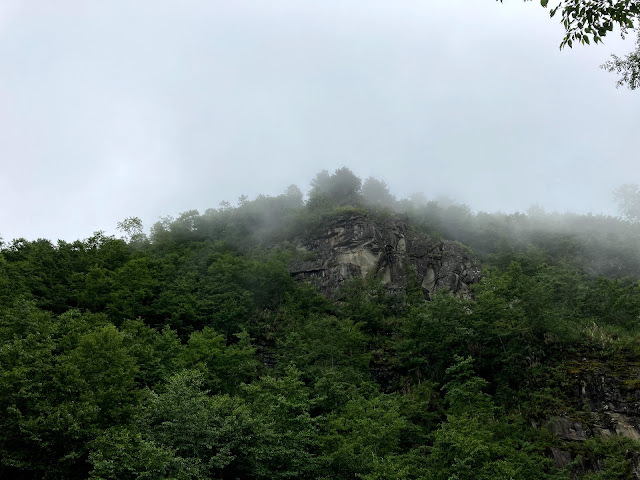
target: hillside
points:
(349, 335)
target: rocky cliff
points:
(605, 402)
(604, 398)
(357, 245)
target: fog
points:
(150, 108)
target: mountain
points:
(349, 335)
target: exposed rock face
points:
(561, 458)
(353, 245)
(608, 398)
(610, 393)
(566, 429)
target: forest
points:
(189, 351)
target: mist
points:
(154, 108)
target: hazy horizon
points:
(154, 108)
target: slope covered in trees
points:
(191, 353)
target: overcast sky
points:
(110, 109)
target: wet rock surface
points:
(607, 397)
(609, 393)
(356, 245)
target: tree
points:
(628, 67)
(363, 430)
(590, 20)
(179, 433)
(100, 375)
(293, 198)
(286, 443)
(63, 380)
(628, 198)
(223, 367)
(586, 20)
(320, 184)
(132, 228)
(343, 187)
(583, 20)
(475, 442)
(376, 192)
(135, 284)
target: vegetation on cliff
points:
(191, 353)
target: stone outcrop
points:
(607, 399)
(609, 392)
(561, 458)
(355, 245)
(567, 429)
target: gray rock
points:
(354, 245)
(568, 430)
(624, 426)
(609, 392)
(561, 458)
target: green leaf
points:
(544, 3)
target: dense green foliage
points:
(192, 353)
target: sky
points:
(151, 108)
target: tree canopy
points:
(191, 353)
